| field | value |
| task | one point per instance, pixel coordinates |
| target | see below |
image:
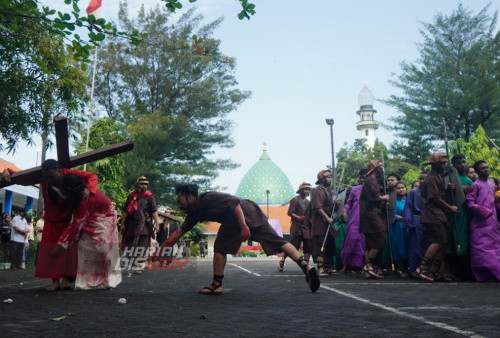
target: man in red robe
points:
(57, 219)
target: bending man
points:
(240, 220)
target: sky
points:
(304, 62)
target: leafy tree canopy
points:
(456, 78)
(478, 148)
(41, 60)
(110, 170)
(171, 100)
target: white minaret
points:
(366, 125)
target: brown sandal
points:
(53, 288)
(423, 272)
(368, 272)
(281, 265)
(211, 290)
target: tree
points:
(172, 99)
(110, 170)
(414, 152)
(456, 78)
(247, 7)
(478, 148)
(357, 156)
(38, 78)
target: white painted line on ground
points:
(281, 275)
(450, 308)
(246, 270)
(405, 314)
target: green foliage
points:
(248, 8)
(455, 78)
(356, 157)
(410, 176)
(172, 100)
(196, 233)
(111, 169)
(194, 248)
(38, 80)
(41, 63)
(414, 152)
(478, 148)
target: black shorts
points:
(228, 239)
(375, 240)
(298, 239)
(436, 233)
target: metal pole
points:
(267, 193)
(91, 107)
(330, 122)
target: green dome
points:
(265, 175)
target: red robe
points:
(94, 230)
(57, 218)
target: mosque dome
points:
(265, 175)
(365, 97)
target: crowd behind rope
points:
(445, 228)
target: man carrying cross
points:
(50, 174)
(57, 219)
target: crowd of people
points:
(444, 228)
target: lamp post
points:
(40, 196)
(38, 150)
(267, 193)
(330, 123)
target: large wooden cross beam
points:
(34, 175)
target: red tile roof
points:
(6, 164)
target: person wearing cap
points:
(322, 208)
(434, 218)
(300, 231)
(240, 220)
(372, 225)
(138, 217)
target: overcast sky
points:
(305, 61)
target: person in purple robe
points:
(352, 252)
(484, 227)
(417, 245)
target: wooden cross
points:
(34, 175)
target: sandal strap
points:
(299, 263)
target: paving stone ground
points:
(257, 301)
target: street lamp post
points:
(267, 193)
(38, 150)
(330, 123)
(40, 196)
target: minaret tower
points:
(366, 125)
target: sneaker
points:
(23, 265)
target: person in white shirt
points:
(28, 239)
(19, 230)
